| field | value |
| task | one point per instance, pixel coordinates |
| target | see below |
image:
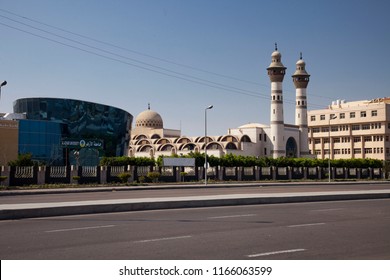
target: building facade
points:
(149, 138)
(345, 130)
(66, 131)
(9, 135)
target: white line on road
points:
(276, 253)
(307, 225)
(163, 239)
(324, 210)
(232, 216)
(82, 228)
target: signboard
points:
(83, 143)
(179, 162)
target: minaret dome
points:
(276, 69)
(300, 77)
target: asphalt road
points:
(198, 191)
(357, 229)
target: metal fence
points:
(30, 175)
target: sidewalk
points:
(180, 186)
(47, 209)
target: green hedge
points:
(231, 160)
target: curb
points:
(189, 186)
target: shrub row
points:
(231, 160)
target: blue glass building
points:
(50, 121)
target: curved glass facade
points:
(49, 121)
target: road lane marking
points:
(81, 228)
(324, 210)
(275, 253)
(163, 239)
(232, 216)
(307, 225)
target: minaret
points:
(301, 80)
(276, 72)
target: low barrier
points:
(32, 175)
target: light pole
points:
(205, 143)
(330, 118)
(3, 83)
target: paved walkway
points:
(46, 209)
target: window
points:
(317, 141)
(265, 151)
(357, 151)
(345, 139)
(374, 113)
(352, 115)
(260, 137)
(322, 117)
(368, 150)
(332, 116)
(365, 126)
(336, 140)
(336, 151)
(367, 138)
(313, 118)
(356, 139)
(334, 128)
(325, 129)
(342, 115)
(355, 127)
(363, 114)
(316, 129)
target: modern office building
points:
(66, 131)
(278, 139)
(358, 129)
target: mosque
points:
(149, 138)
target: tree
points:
(22, 160)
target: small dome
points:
(276, 59)
(150, 119)
(276, 54)
(301, 62)
(300, 69)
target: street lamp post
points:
(3, 83)
(205, 143)
(330, 118)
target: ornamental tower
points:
(301, 80)
(276, 72)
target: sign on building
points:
(82, 143)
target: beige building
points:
(9, 131)
(358, 129)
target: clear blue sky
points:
(182, 56)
